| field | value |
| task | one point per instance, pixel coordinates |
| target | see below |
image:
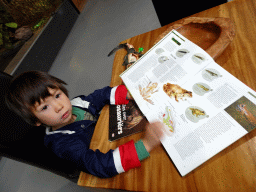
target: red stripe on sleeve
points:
(120, 95)
(129, 157)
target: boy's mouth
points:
(65, 115)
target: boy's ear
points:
(38, 124)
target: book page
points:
(204, 108)
(174, 60)
(229, 113)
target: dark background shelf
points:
(170, 11)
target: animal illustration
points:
(147, 91)
(175, 91)
(248, 115)
(131, 57)
(197, 112)
(203, 87)
(167, 119)
(212, 73)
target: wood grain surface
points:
(233, 169)
(211, 34)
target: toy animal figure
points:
(248, 115)
(131, 57)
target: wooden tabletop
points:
(233, 169)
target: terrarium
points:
(19, 20)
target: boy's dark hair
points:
(29, 88)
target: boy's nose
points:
(58, 107)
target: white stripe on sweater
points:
(117, 161)
(80, 103)
(112, 96)
(48, 132)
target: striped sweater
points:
(72, 141)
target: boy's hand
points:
(153, 134)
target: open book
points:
(204, 107)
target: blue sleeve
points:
(89, 161)
(95, 101)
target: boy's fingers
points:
(157, 128)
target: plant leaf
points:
(12, 25)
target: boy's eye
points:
(57, 96)
(44, 107)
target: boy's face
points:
(55, 110)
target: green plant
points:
(40, 23)
(7, 31)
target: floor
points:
(84, 65)
(83, 60)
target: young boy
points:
(42, 99)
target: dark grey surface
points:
(83, 62)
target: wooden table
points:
(234, 168)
